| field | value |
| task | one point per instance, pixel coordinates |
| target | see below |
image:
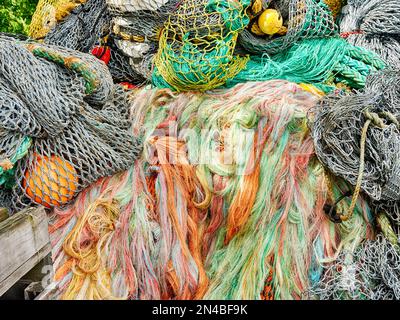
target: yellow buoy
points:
(271, 22)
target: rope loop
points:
(376, 120)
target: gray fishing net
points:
(63, 124)
(304, 19)
(82, 28)
(337, 125)
(388, 48)
(136, 27)
(374, 25)
(128, 30)
(371, 16)
(119, 64)
(371, 272)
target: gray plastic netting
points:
(371, 272)
(136, 26)
(371, 16)
(304, 19)
(374, 25)
(66, 103)
(337, 124)
(120, 64)
(88, 26)
(82, 28)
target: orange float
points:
(51, 181)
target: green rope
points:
(387, 229)
(71, 63)
(7, 177)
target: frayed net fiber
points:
(225, 202)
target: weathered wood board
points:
(24, 242)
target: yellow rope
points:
(387, 229)
(360, 173)
(376, 120)
(91, 278)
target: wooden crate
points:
(24, 242)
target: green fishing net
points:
(196, 47)
(305, 19)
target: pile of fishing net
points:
(259, 189)
(302, 19)
(197, 45)
(357, 136)
(79, 29)
(124, 34)
(374, 25)
(136, 27)
(199, 49)
(205, 44)
(84, 26)
(225, 202)
(87, 28)
(372, 272)
(63, 124)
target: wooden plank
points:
(24, 242)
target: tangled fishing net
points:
(374, 25)
(192, 45)
(137, 26)
(371, 272)
(357, 137)
(124, 34)
(82, 28)
(238, 193)
(48, 13)
(198, 52)
(322, 62)
(197, 45)
(225, 202)
(303, 19)
(63, 124)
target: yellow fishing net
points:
(197, 45)
(48, 13)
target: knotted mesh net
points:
(120, 63)
(136, 27)
(374, 25)
(371, 272)
(82, 28)
(63, 124)
(304, 19)
(371, 17)
(337, 126)
(198, 42)
(357, 137)
(48, 13)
